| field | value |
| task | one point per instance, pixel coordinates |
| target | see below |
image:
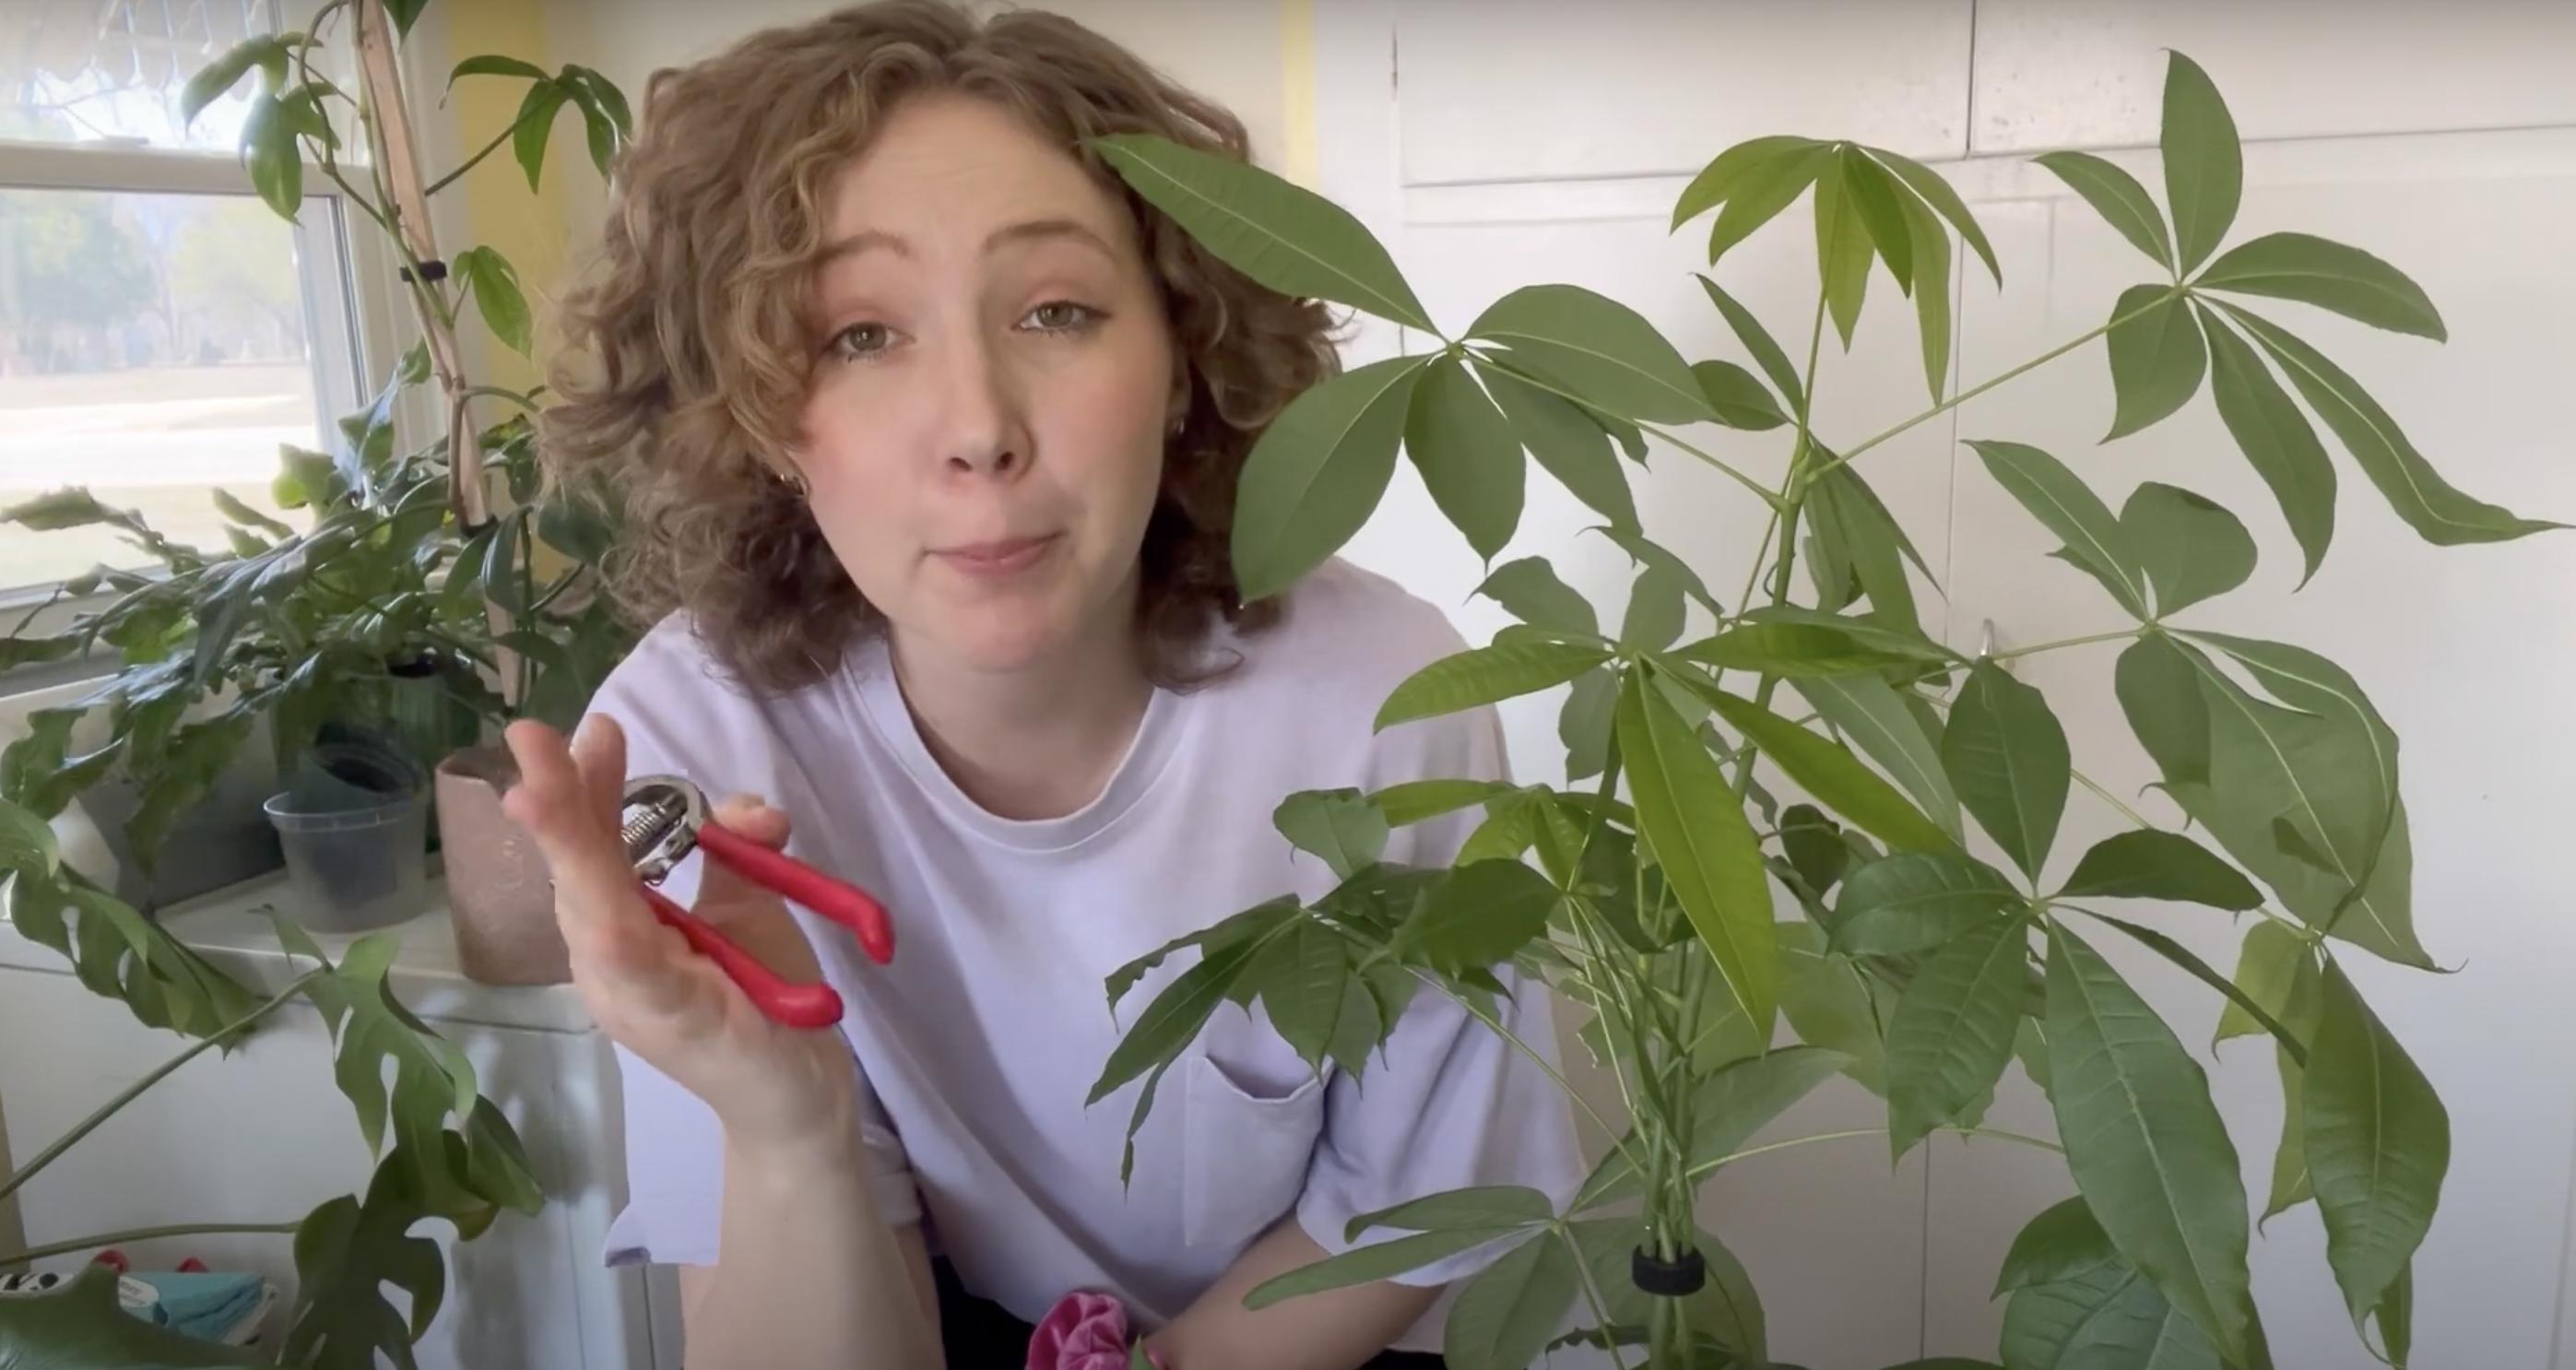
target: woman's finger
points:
(553, 801)
(599, 750)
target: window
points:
(161, 332)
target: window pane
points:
(152, 348)
(83, 71)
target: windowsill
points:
(231, 928)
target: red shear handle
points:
(843, 903)
(796, 1006)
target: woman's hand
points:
(770, 1086)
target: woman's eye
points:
(1063, 316)
(861, 341)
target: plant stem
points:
(2000, 1135)
(2086, 640)
(1972, 392)
(159, 1073)
(141, 1234)
(1793, 501)
(501, 392)
(488, 149)
(1552, 388)
(1592, 1295)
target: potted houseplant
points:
(437, 589)
(1898, 909)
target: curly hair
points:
(687, 357)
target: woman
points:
(928, 435)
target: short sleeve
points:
(674, 1146)
(1451, 1104)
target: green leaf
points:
(1477, 916)
(1258, 923)
(1795, 650)
(1872, 195)
(2006, 754)
(2437, 511)
(1340, 827)
(2157, 357)
(2291, 1182)
(604, 93)
(597, 131)
(1853, 529)
(1277, 232)
(1931, 294)
(1485, 675)
(495, 284)
(575, 526)
(1503, 1318)
(2066, 506)
(1691, 818)
(1415, 800)
(1305, 981)
(1468, 456)
(1834, 1004)
(2204, 165)
(222, 74)
(1953, 1029)
(2030, 1047)
(1654, 556)
(1529, 590)
(1565, 443)
(345, 1253)
(1814, 846)
(1738, 399)
(1600, 349)
(1842, 246)
(1169, 1023)
(2325, 769)
(1728, 1106)
(1370, 1264)
(2396, 1316)
(535, 127)
(2117, 197)
(2191, 546)
(2147, 864)
(2329, 275)
(2201, 970)
(404, 13)
(1758, 341)
(1317, 473)
(491, 64)
(2062, 1243)
(27, 844)
(1655, 613)
(2145, 1144)
(269, 149)
(1826, 769)
(2270, 963)
(1868, 713)
(1727, 172)
(2378, 1143)
(1766, 187)
(1727, 1309)
(1585, 723)
(1482, 1208)
(1936, 192)
(2110, 1317)
(2277, 439)
(2159, 689)
(82, 1323)
(232, 508)
(1913, 901)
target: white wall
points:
(1523, 141)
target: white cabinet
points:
(263, 1135)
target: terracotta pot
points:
(498, 895)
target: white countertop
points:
(231, 927)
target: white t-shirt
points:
(979, 1043)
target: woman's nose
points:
(985, 433)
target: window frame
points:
(354, 322)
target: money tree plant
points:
(1816, 811)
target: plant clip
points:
(1671, 1279)
(432, 270)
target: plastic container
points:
(355, 868)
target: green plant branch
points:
(1542, 383)
(159, 1073)
(488, 149)
(1706, 1167)
(1792, 503)
(520, 398)
(1974, 391)
(1591, 1294)
(141, 1234)
(2086, 640)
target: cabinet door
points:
(264, 1135)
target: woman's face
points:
(994, 377)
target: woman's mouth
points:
(1002, 557)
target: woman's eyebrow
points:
(1033, 230)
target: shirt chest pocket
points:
(1246, 1149)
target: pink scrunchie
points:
(1084, 1331)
